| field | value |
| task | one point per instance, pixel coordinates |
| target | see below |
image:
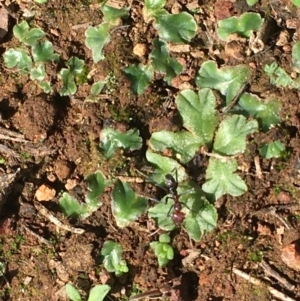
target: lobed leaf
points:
(230, 138)
(198, 114)
(126, 206)
(228, 80)
(96, 38)
(267, 113)
(221, 179)
(273, 149)
(111, 139)
(44, 52)
(242, 25)
(140, 77)
(26, 35)
(162, 62)
(17, 57)
(175, 28)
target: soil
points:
(62, 148)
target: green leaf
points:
(44, 52)
(140, 77)
(162, 62)
(98, 292)
(71, 207)
(296, 55)
(165, 165)
(111, 139)
(183, 144)
(267, 113)
(175, 28)
(75, 65)
(28, 37)
(69, 86)
(45, 86)
(296, 2)
(38, 73)
(155, 4)
(112, 253)
(273, 149)
(243, 25)
(97, 87)
(96, 38)
(191, 199)
(112, 14)
(205, 221)
(96, 186)
(231, 136)
(228, 80)
(72, 292)
(198, 113)
(221, 179)
(40, 1)
(164, 238)
(251, 2)
(17, 57)
(126, 206)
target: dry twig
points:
(277, 294)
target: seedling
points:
(126, 205)
(71, 207)
(97, 293)
(41, 53)
(242, 25)
(191, 210)
(69, 76)
(162, 249)
(112, 258)
(99, 36)
(160, 62)
(111, 139)
(279, 77)
(274, 149)
(175, 28)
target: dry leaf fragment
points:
(290, 255)
(45, 193)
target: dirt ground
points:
(62, 138)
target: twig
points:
(277, 294)
(41, 239)
(257, 167)
(42, 210)
(271, 272)
(4, 137)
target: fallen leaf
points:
(290, 255)
(45, 193)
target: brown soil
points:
(63, 135)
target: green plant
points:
(251, 2)
(242, 25)
(274, 149)
(69, 75)
(97, 293)
(296, 2)
(71, 207)
(31, 63)
(112, 258)
(126, 205)
(279, 77)
(96, 89)
(160, 62)
(162, 249)
(99, 36)
(175, 28)
(111, 139)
